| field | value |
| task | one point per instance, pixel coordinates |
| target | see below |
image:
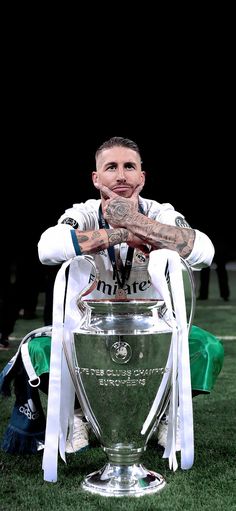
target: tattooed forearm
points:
(161, 235)
(91, 242)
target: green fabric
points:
(40, 351)
(206, 357)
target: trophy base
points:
(123, 480)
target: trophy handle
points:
(90, 286)
(193, 292)
(190, 316)
(82, 305)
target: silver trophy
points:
(119, 360)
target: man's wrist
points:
(116, 236)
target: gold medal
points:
(121, 294)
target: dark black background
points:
(62, 99)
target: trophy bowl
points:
(119, 359)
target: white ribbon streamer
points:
(60, 404)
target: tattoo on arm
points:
(82, 238)
(161, 235)
(95, 235)
(116, 236)
(91, 242)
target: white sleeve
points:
(202, 253)
(55, 245)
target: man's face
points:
(119, 168)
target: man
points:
(120, 230)
(121, 219)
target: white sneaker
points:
(80, 438)
(162, 432)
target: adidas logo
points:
(29, 409)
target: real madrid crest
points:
(140, 257)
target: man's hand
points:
(136, 242)
(117, 209)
